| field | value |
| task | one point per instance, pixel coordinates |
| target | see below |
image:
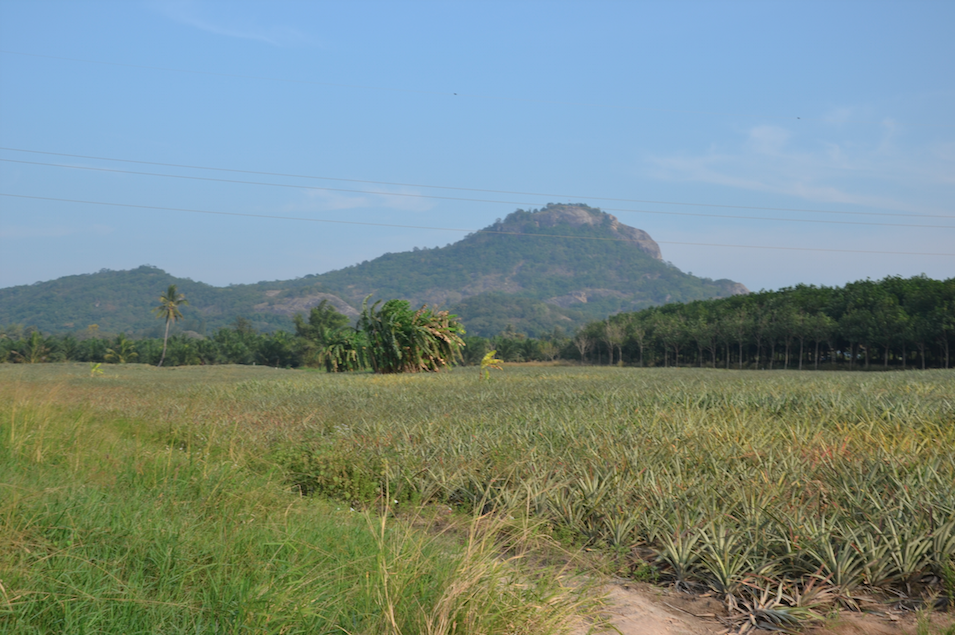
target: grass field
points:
(173, 496)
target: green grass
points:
(785, 493)
(119, 515)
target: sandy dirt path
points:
(642, 609)
(638, 609)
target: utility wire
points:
(470, 231)
(452, 94)
(456, 198)
(473, 189)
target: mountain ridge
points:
(559, 266)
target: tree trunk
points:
(815, 357)
(164, 340)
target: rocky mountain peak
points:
(578, 216)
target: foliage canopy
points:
(402, 340)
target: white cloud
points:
(873, 168)
(188, 13)
(399, 199)
(768, 139)
(839, 116)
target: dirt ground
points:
(639, 609)
(642, 609)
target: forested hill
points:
(562, 265)
(121, 301)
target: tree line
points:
(891, 323)
(894, 323)
(389, 337)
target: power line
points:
(312, 220)
(286, 185)
(457, 198)
(473, 189)
(453, 94)
(470, 231)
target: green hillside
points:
(121, 301)
(561, 266)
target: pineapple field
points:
(790, 496)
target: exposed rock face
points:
(303, 304)
(583, 296)
(739, 288)
(494, 282)
(577, 216)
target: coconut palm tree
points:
(168, 310)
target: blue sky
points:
(844, 111)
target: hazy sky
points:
(843, 113)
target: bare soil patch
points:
(643, 609)
(640, 609)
